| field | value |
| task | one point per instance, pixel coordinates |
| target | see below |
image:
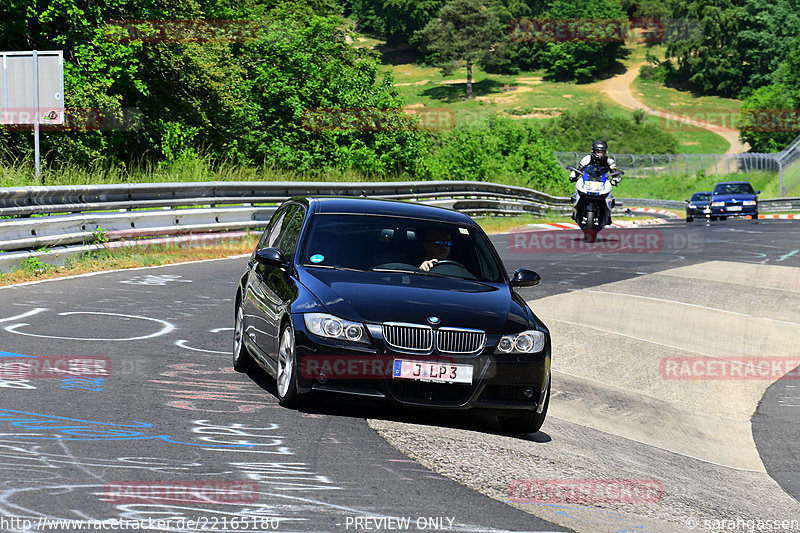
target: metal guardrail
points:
(78, 216)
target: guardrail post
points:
(687, 164)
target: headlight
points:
(530, 341)
(335, 327)
(717, 204)
(749, 202)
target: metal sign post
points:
(36, 110)
(32, 91)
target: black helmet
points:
(599, 151)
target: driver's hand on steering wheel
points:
(427, 265)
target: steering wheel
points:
(446, 262)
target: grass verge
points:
(715, 110)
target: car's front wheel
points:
(242, 360)
(527, 423)
(286, 376)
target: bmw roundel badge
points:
(433, 320)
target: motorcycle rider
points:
(598, 158)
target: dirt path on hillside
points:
(618, 89)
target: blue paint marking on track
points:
(78, 383)
(87, 430)
(12, 354)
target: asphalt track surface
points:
(164, 405)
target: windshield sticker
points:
(317, 258)
(463, 231)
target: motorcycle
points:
(592, 201)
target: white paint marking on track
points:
(167, 327)
(24, 315)
(182, 344)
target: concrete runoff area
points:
(616, 415)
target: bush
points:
(633, 134)
(496, 149)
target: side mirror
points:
(525, 278)
(270, 257)
(758, 192)
(687, 201)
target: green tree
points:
(770, 118)
(768, 30)
(315, 72)
(242, 100)
(464, 33)
(708, 60)
(581, 58)
(769, 121)
(735, 46)
(396, 20)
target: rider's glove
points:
(615, 181)
(573, 177)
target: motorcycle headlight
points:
(531, 341)
(334, 327)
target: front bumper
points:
(500, 383)
(734, 211)
(698, 211)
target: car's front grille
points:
(408, 337)
(455, 340)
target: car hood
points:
(376, 297)
(731, 197)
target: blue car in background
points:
(734, 199)
(699, 205)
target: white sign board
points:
(32, 87)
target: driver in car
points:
(437, 247)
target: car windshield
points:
(733, 188)
(700, 196)
(383, 243)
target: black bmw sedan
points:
(699, 205)
(395, 301)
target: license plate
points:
(734, 208)
(432, 371)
